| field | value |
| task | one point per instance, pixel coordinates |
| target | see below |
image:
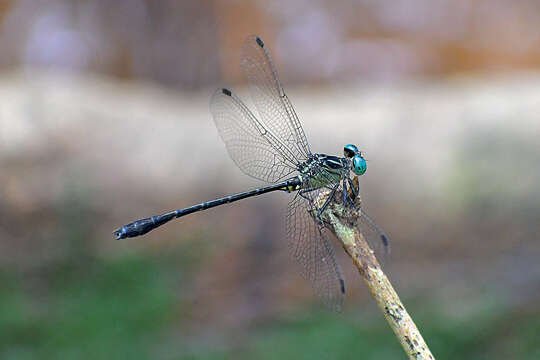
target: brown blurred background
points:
(104, 119)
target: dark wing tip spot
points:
(226, 92)
(259, 41)
(342, 283)
(385, 240)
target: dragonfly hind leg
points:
(354, 188)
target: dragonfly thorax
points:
(323, 169)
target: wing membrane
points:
(272, 103)
(254, 150)
(375, 236)
(309, 246)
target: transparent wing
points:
(375, 236)
(254, 150)
(273, 105)
(310, 246)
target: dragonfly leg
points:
(302, 192)
(305, 191)
(330, 198)
(345, 193)
(354, 189)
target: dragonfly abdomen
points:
(143, 226)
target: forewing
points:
(309, 246)
(273, 105)
(254, 150)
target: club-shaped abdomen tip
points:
(259, 41)
(119, 233)
(226, 92)
(342, 283)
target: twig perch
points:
(341, 221)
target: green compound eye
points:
(359, 164)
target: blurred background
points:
(104, 119)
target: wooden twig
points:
(341, 220)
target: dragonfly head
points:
(358, 162)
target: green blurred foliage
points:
(92, 309)
(131, 307)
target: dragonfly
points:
(273, 148)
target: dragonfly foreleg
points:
(354, 189)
